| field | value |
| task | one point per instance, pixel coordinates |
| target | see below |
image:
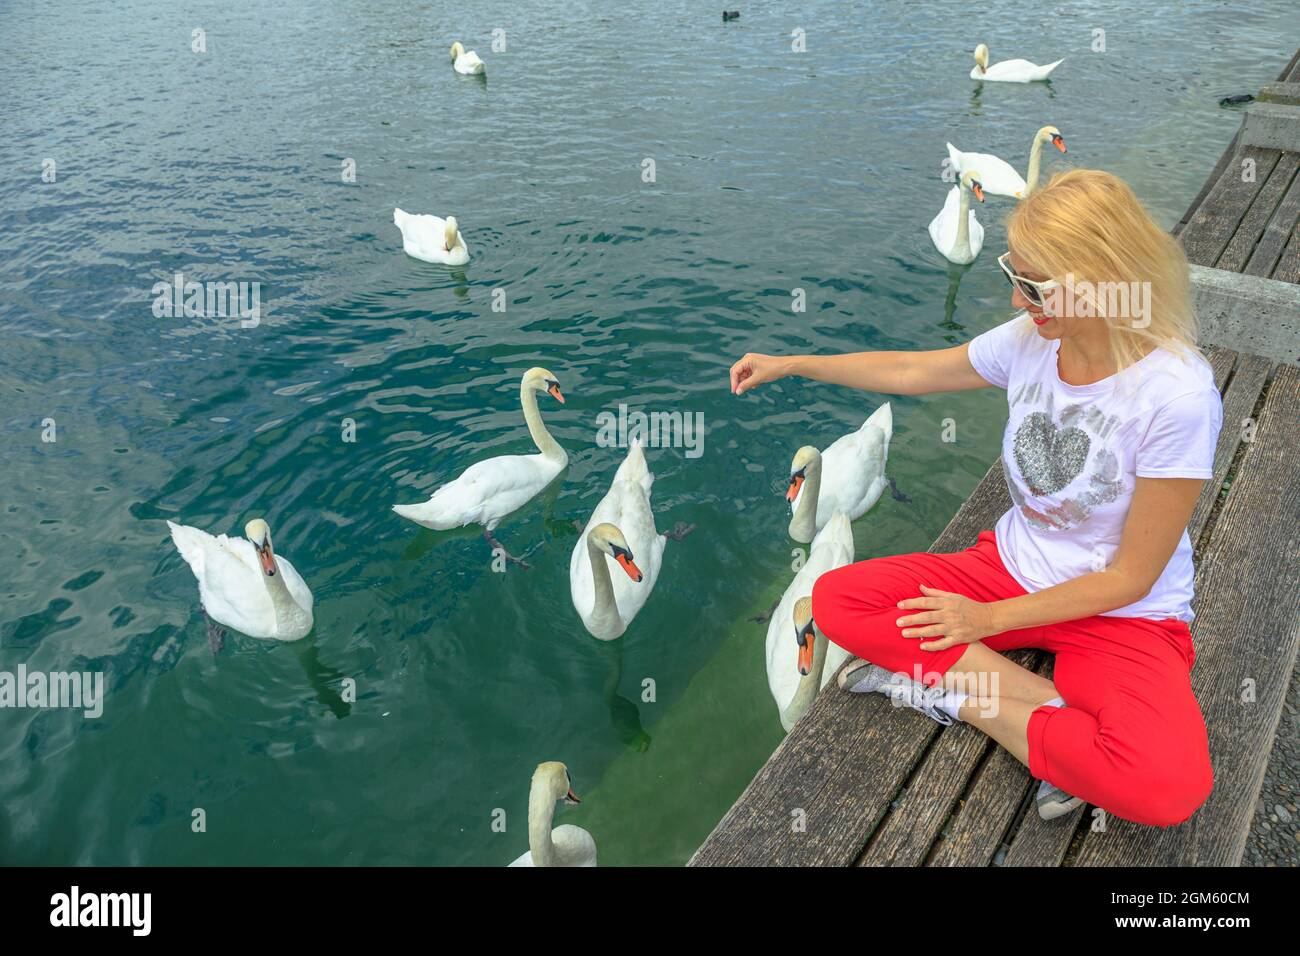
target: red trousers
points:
(1130, 738)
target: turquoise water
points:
(774, 170)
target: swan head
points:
(805, 458)
(606, 537)
(457, 50)
(540, 380)
(552, 777)
(1053, 135)
(803, 633)
(259, 533)
(971, 180)
(982, 56)
(451, 233)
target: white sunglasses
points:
(1033, 291)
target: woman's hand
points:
(953, 617)
(755, 369)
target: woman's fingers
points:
(934, 630)
(911, 620)
(928, 603)
(739, 372)
(942, 645)
(935, 592)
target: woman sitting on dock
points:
(1114, 416)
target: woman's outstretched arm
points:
(893, 373)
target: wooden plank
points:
(1246, 630)
(1222, 362)
(1209, 183)
(1039, 842)
(1288, 266)
(842, 764)
(1238, 405)
(1280, 229)
(974, 834)
(1261, 213)
(1216, 219)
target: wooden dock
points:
(859, 781)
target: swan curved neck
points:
(1035, 162)
(287, 612)
(962, 244)
(810, 684)
(536, 428)
(804, 523)
(541, 811)
(605, 609)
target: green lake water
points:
(775, 170)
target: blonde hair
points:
(1088, 225)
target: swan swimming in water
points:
(244, 584)
(848, 476)
(1009, 71)
(566, 845)
(431, 239)
(955, 231)
(798, 665)
(621, 531)
(489, 490)
(465, 61)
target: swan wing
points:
(997, 176)
(230, 579)
(484, 493)
(634, 467)
(1020, 71)
(469, 62)
(853, 468)
(298, 589)
(424, 238)
(574, 846)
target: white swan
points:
(465, 61)
(797, 664)
(566, 845)
(1048, 134)
(244, 584)
(848, 476)
(998, 177)
(1009, 71)
(489, 490)
(432, 239)
(621, 531)
(955, 231)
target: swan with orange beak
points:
(616, 562)
(244, 585)
(489, 490)
(800, 662)
(566, 845)
(955, 231)
(848, 476)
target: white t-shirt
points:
(1071, 454)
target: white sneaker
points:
(863, 677)
(1054, 802)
